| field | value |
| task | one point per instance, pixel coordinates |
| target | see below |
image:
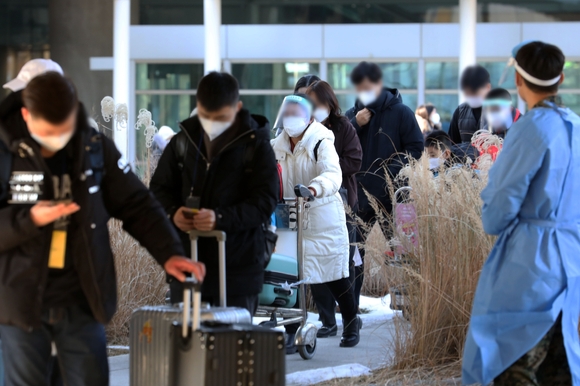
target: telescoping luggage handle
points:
(191, 284)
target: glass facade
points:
(168, 90)
(23, 35)
(352, 11)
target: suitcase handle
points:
(191, 284)
(221, 238)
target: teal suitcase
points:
(281, 269)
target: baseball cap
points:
(31, 69)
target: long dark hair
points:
(325, 94)
(305, 81)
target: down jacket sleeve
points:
(166, 183)
(127, 199)
(17, 226)
(329, 178)
(264, 186)
(412, 142)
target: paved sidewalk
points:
(372, 352)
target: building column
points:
(122, 70)
(467, 30)
(212, 20)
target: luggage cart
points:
(306, 334)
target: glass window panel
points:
(272, 76)
(442, 75)
(572, 101)
(571, 75)
(397, 75)
(368, 11)
(496, 70)
(176, 76)
(266, 105)
(445, 105)
(166, 110)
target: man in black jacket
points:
(388, 133)
(467, 119)
(222, 163)
(57, 276)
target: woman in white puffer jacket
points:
(326, 245)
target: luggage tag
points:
(56, 258)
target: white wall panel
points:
(274, 41)
(564, 35)
(497, 39)
(367, 41)
(440, 40)
(175, 42)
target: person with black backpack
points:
(60, 183)
(219, 172)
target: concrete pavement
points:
(373, 352)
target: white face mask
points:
(435, 163)
(53, 143)
(294, 126)
(367, 97)
(435, 118)
(320, 114)
(214, 129)
(474, 101)
(499, 119)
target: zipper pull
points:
(207, 167)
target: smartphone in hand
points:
(192, 204)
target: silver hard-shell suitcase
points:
(151, 352)
(220, 354)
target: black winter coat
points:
(391, 136)
(24, 248)
(240, 184)
(349, 151)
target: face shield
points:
(294, 116)
(498, 115)
(532, 79)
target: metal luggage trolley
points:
(306, 334)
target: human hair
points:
(439, 139)
(543, 61)
(325, 94)
(217, 90)
(474, 77)
(305, 81)
(50, 96)
(366, 70)
(499, 93)
(424, 111)
(305, 97)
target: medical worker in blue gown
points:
(524, 324)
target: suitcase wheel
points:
(307, 351)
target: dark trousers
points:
(80, 341)
(342, 291)
(545, 364)
(323, 298)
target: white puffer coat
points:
(326, 244)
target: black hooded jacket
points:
(240, 184)
(391, 136)
(24, 248)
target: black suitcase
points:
(214, 354)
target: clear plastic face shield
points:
(294, 116)
(498, 115)
(532, 79)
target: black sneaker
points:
(291, 344)
(326, 331)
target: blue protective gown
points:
(532, 201)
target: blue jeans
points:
(1, 366)
(80, 341)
